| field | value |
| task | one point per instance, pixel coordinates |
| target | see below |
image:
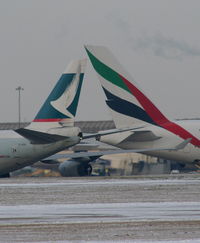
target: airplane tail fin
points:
(61, 105)
(129, 106)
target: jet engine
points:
(75, 168)
(78, 166)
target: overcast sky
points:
(157, 41)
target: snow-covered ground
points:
(100, 210)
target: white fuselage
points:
(165, 139)
(17, 152)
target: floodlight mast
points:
(19, 89)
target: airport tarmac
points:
(132, 209)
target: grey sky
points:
(157, 41)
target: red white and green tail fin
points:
(61, 105)
(127, 103)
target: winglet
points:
(183, 144)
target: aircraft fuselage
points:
(17, 152)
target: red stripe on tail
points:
(48, 120)
(157, 116)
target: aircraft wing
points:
(36, 137)
(95, 155)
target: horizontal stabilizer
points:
(141, 136)
(36, 137)
(108, 132)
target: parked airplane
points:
(51, 131)
(130, 107)
(79, 164)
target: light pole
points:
(19, 89)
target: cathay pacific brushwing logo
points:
(66, 99)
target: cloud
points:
(167, 48)
(158, 44)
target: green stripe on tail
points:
(106, 72)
